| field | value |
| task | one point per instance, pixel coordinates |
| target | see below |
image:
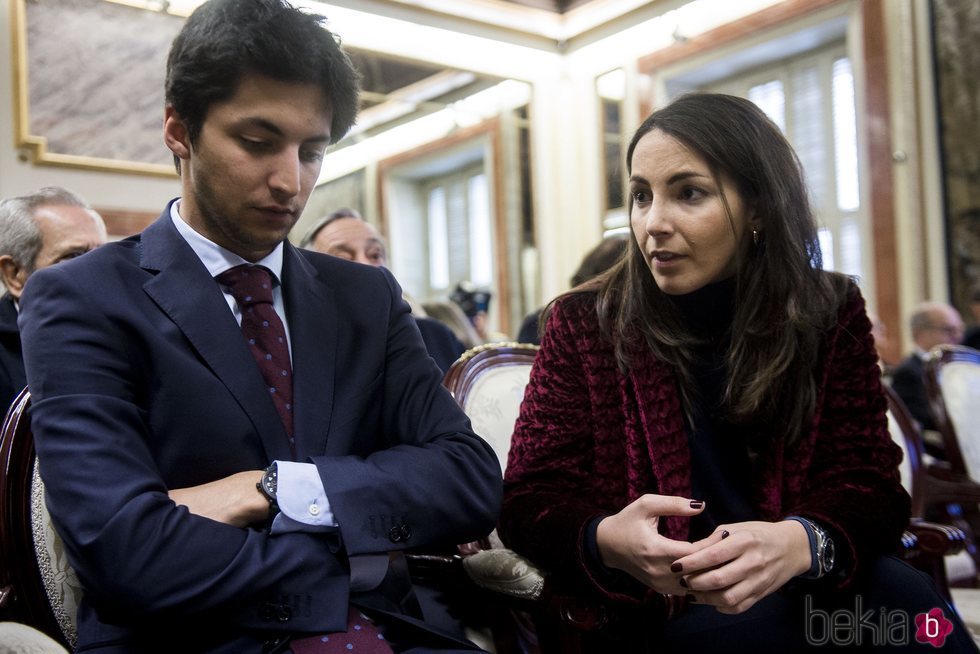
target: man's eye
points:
(312, 156)
(254, 144)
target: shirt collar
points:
(216, 258)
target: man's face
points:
(66, 232)
(945, 328)
(353, 239)
(256, 160)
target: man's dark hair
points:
(223, 40)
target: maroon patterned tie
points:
(361, 636)
(251, 287)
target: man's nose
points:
(285, 176)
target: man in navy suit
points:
(203, 508)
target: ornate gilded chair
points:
(37, 585)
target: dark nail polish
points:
(725, 534)
(683, 582)
(691, 598)
(676, 567)
(696, 504)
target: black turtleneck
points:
(720, 465)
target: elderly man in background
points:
(345, 234)
(36, 231)
(931, 324)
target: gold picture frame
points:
(39, 146)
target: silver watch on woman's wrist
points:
(824, 554)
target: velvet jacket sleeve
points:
(845, 473)
(555, 486)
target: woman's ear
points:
(175, 134)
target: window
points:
(811, 98)
(460, 230)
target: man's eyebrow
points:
(262, 123)
(269, 126)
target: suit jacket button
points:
(399, 533)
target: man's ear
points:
(175, 134)
(13, 276)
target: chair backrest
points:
(488, 383)
(44, 591)
(906, 434)
(952, 380)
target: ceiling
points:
(396, 89)
(557, 6)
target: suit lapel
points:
(312, 314)
(190, 297)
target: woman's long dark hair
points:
(784, 302)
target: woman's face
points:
(679, 218)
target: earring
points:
(755, 237)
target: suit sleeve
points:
(139, 556)
(908, 381)
(435, 482)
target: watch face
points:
(828, 555)
(269, 481)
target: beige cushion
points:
(60, 582)
(504, 571)
(16, 638)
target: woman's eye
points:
(641, 196)
(692, 193)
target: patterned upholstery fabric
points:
(493, 404)
(60, 582)
(504, 571)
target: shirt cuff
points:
(303, 504)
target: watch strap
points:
(814, 571)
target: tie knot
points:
(248, 284)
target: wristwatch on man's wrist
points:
(268, 486)
(824, 554)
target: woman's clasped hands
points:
(732, 569)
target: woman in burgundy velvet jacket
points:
(705, 425)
